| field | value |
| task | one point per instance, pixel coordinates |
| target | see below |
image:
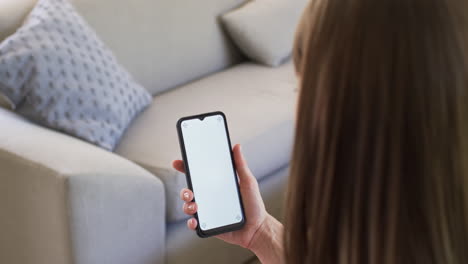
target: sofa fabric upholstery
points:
(65, 201)
(259, 104)
(12, 15)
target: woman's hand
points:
(254, 207)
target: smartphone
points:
(211, 173)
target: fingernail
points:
(186, 195)
(190, 207)
(192, 221)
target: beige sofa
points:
(63, 200)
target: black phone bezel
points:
(222, 229)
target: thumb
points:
(241, 165)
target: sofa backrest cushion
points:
(264, 29)
(163, 43)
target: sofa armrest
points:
(66, 201)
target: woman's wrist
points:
(267, 242)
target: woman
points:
(379, 168)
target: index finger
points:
(178, 165)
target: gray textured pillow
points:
(264, 29)
(57, 72)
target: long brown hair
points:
(379, 169)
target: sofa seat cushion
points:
(259, 103)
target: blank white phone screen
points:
(211, 170)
